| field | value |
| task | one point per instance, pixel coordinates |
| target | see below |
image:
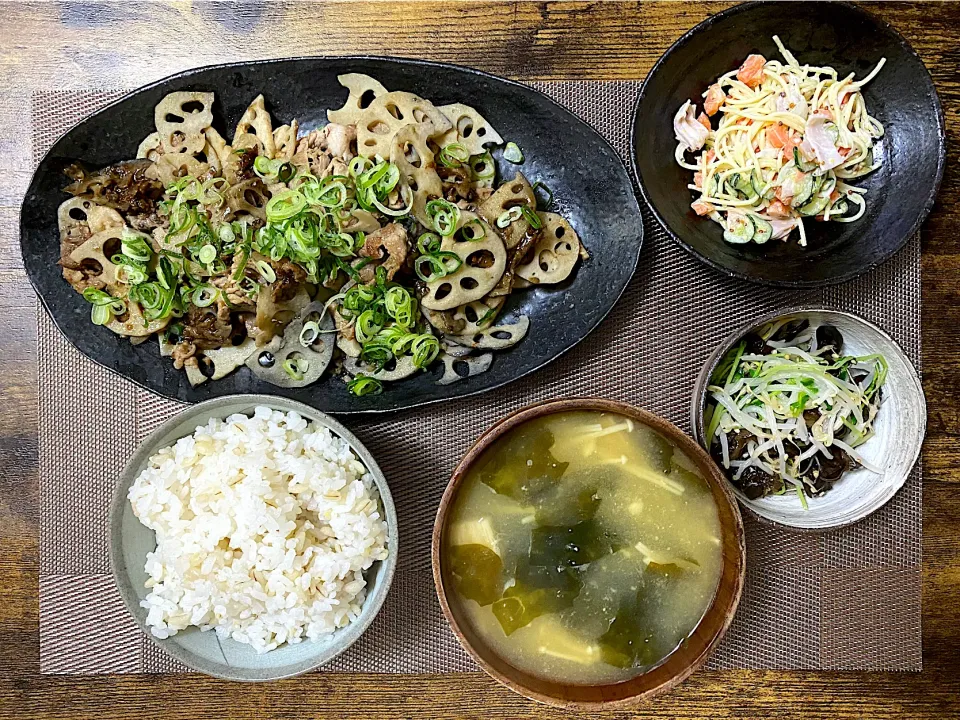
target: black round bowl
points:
(902, 97)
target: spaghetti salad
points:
(788, 141)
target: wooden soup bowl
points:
(677, 666)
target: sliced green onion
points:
(487, 316)
(275, 169)
(424, 349)
(358, 166)
(428, 244)
(473, 230)
(242, 265)
(362, 385)
(226, 233)
(395, 297)
(535, 222)
(453, 155)
(436, 268)
(367, 326)
(444, 215)
(134, 246)
(285, 205)
(295, 367)
(129, 274)
(207, 254)
(211, 191)
(325, 193)
(513, 153)
(309, 333)
(266, 271)
(98, 297)
(368, 178)
(406, 194)
(482, 166)
(104, 306)
(182, 218)
(385, 185)
(101, 314)
(400, 341)
(149, 295)
(204, 295)
(262, 165)
(451, 261)
(508, 216)
(377, 352)
(357, 298)
(546, 190)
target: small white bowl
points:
(130, 542)
(900, 427)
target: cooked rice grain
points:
(264, 527)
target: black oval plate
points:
(590, 184)
(902, 97)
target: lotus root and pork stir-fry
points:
(381, 239)
(789, 411)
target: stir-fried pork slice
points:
(386, 247)
(123, 186)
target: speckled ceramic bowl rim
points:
(372, 603)
(731, 594)
(699, 400)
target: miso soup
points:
(583, 547)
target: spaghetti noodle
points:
(788, 140)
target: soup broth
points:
(583, 547)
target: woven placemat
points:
(843, 600)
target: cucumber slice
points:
(801, 163)
(815, 206)
(802, 189)
(818, 181)
(742, 182)
(739, 228)
(757, 182)
(762, 230)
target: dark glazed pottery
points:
(902, 97)
(591, 188)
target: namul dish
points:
(789, 410)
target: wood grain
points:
(66, 45)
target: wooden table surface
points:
(62, 45)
